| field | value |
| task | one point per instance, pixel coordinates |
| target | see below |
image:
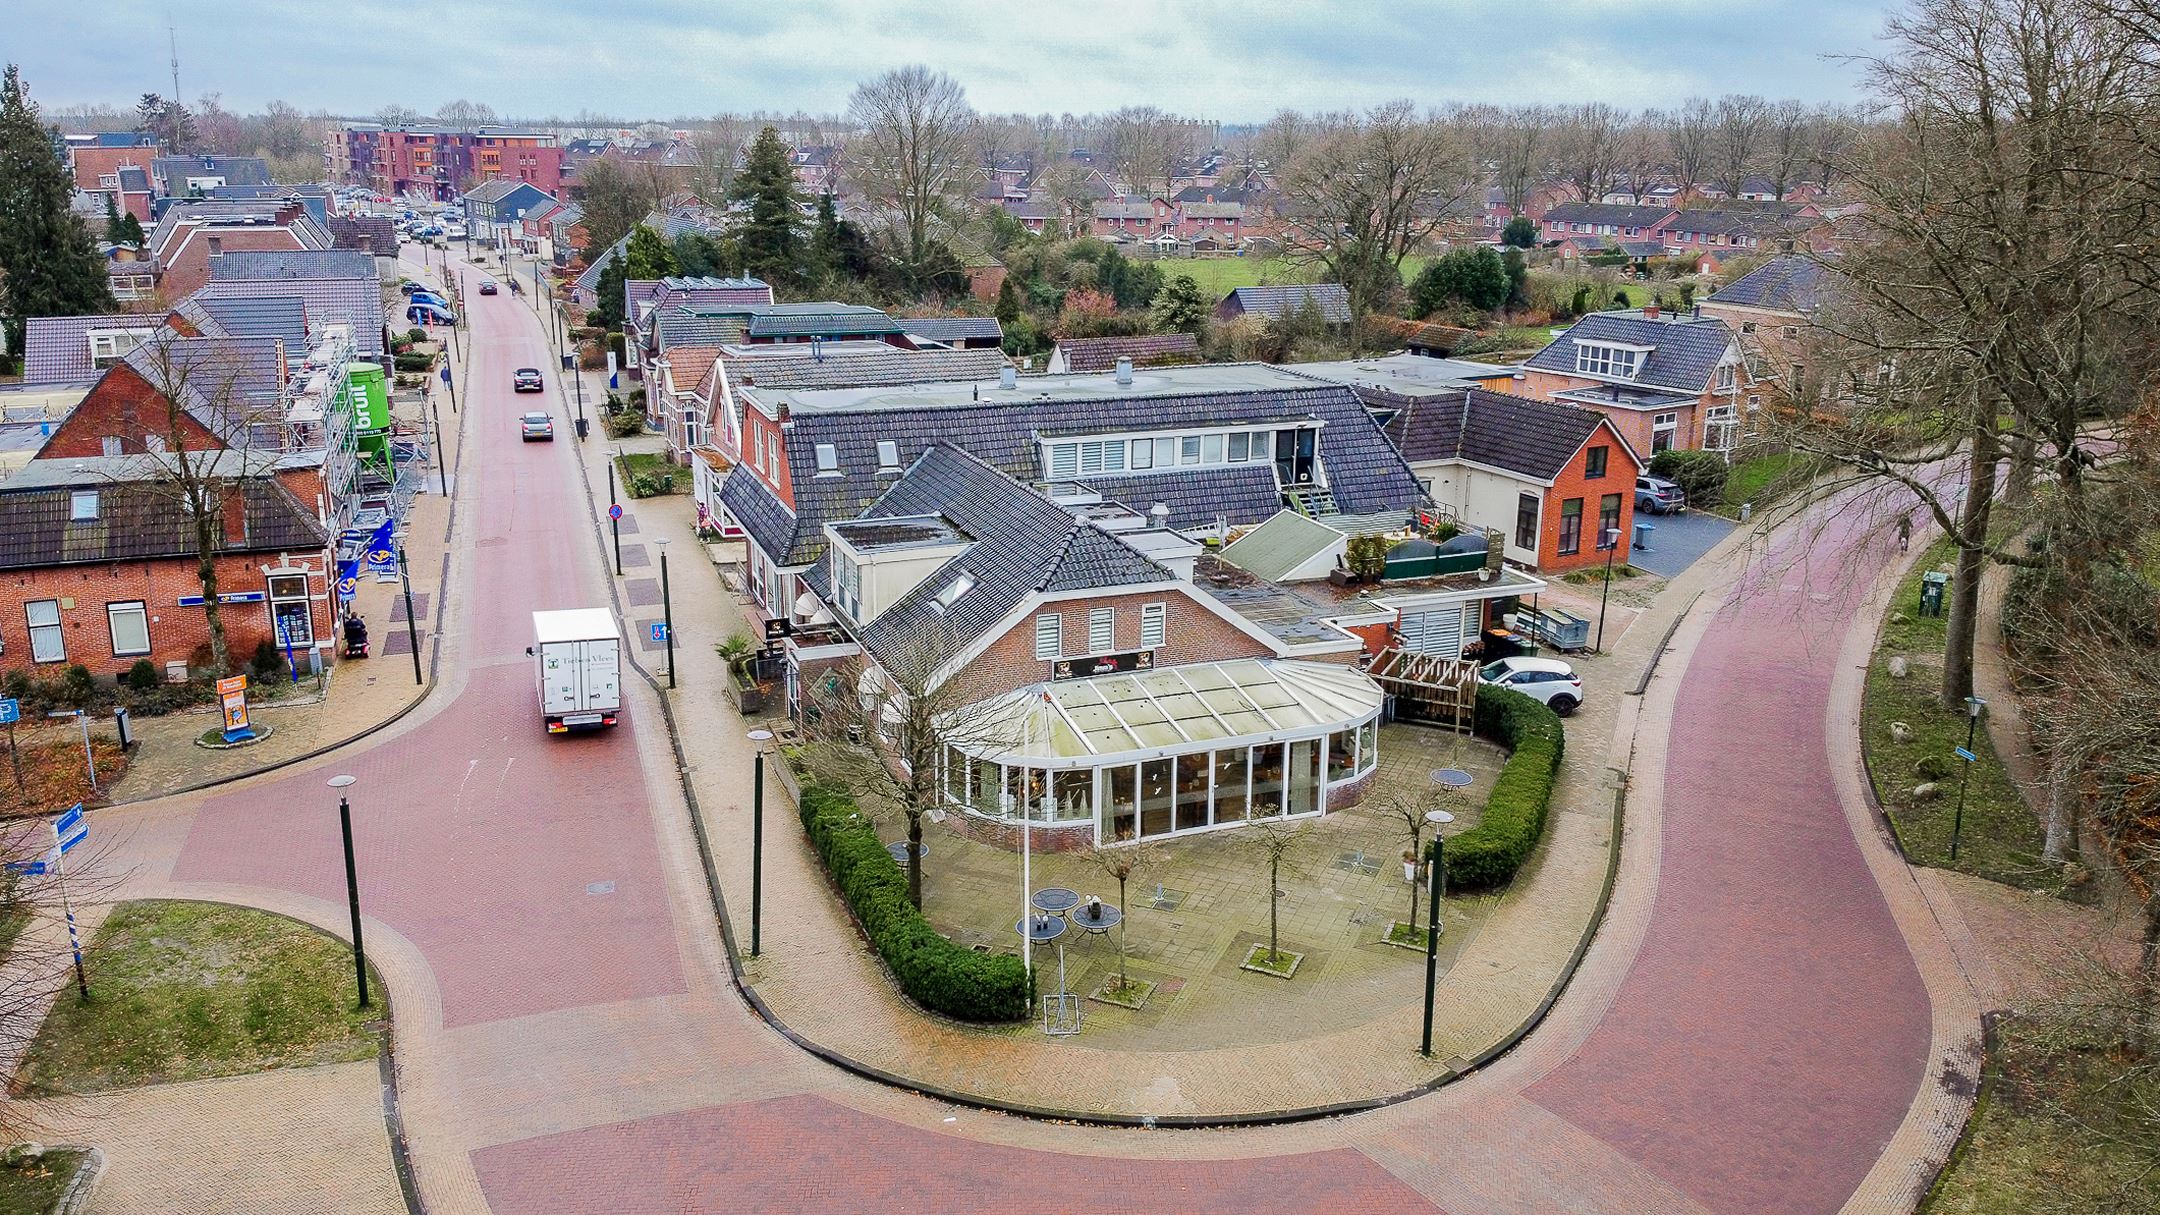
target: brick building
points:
(99, 569)
(192, 231)
(1663, 379)
(437, 161)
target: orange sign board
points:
(233, 692)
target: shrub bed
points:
(1489, 854)
(934, 972)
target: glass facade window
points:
(1156, 795)
(1368, 745)
(1192, 790)
(1341, 755)
(1267, 781)
(1120, 803)
(1072, 792)
(1303, 786)
(1571, 527)
(1231, 799)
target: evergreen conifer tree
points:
(49, 265)
(771, 239)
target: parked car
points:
(426, 295)
(1659, 496)
(536, 426)
(1546, 679)
(488, 287)
(527, 379)
(430, 314)
(454, 231)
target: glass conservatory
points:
(1150, 754)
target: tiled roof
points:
(56, 349)
(1521, 435)
(247, 213)
(1334, 302)
(1759, 219)
(1212, 210)
(688, 365)
(278, 316)
(236, 170)
(589, 278)
(294, 263)
(1149, 350)
(1201, 194)
(854, 364)
(767, 519)
(1619, 214)
(1023, 543)
(952, 328)
(1363, 468)
(1119, 209)
(381, 232)
(682, 327)
(1782, 284)
(494, 189)
(812, 320)
(224, 383)
(329, 301)
(138, 521)
(1684, 352)
(134, 179)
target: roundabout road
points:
(1752, 1032)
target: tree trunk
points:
(1274, 903)
(2018, 487)
(1416, 850)
(1122, 981)
(914, 856)
(2062, 805)
(206, 573)
(1971, 534)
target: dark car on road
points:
(536, 426)
(487, 288)
(1659, 496)
(527, 379)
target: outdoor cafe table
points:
(1056, 900)
(1104, 917)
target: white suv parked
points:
(1546, 679)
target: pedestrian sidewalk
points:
(818, 977)
(355, 696)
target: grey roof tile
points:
(1619, 214)
(294, 263)
(141, 521)
(1684, 351)
(1145, 350)
(1782, 284)
(1334, 302)
(56, 349)
(952, 328)
(278, 316)
(329, 301)
(854, 365)
(236, 170)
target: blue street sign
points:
(37, 868)
(659, 630)
(10, 712)
(614, 510)
(1965, 755)
(612, 382)
(71, 829)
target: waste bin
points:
(582, 427)
(569, 362)
(1932, 585)
(1642, 535)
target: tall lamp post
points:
(667, 611)
(1973, 706)
(352, 884)
(1449, 778)
(757, 838)
(1609, 540)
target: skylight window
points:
(955, 590)
(828, 459)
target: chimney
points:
(1159, 515)
(1649, 311)
(1008, 378)
(1124, 371)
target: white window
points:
(1725, 377)
(1165, 452)
(1211, 449)
(954, 590)
(1049, 635)
(1240, 444)
(110, 181)
(1102, 630)
(888, 456)
(1143, 453)
(1064, 460)
(1592, 358)
(46, 641)
(130, 624)
(847, 582)
(108, 345)
(1154, 618)
(110, 445)
(828, 460)
(1189, 449)
(83, 506)
(289, 610)
(1263, 444)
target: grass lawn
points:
(32, 1189)
(1748, 481)
(2001, 837)
(2054, 1132)
(184, 991)
(12, 922)
(653, 465)
(1217, 275)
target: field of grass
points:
(2001, 836)
(1218, 275)
(33, 1188)
(1753, 481)
(185, 991)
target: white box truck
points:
(579, 653)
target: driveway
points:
(1678, 541)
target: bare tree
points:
(1145, 145)
(463, 113)
(1690, 133)
(1272, 839)
(1587, 145)
(1064, 186)
(1831, 132)
(1787, 145)
(1368, 189)
(915, 149)
(1742, 122)
(1518, 145)
(395, 115)
(1121, 862)
(1280, 141)
(1642, 154)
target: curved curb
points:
(868, 1071)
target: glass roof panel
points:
(1092, 717)
(1161, 683)
(1204, 729)
(1182, 705)
(1246, 672)
(1226, 700)
(1292, 715)
(1159, 734)
(1270, 696)
(1111, 740)
(1204, 677)
(1246, 721)
(1063, 742)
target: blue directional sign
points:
(10, 712)
(659, 630)
(71, 829)
(1965, 755)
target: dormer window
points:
(828, 460)
(108, 345)
(83, 506)
(1725, 377)
(888, 456)
(1608, 360)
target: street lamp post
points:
(1438, 885)
(1973, 705)
(1609, 541)
(442, 469)
(412, 634)
(667, 610)
(352, 884)
(757, 838)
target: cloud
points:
(1234, 60)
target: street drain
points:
(600, 888)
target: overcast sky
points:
(1233, 60)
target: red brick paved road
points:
(1763, 1044)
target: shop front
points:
(1167, 752)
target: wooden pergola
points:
(1430, 688)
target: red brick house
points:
(193, 231)
(123, 173)
(100, 570)
(1664, 380)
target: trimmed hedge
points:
(1488, 854)
(935, 973)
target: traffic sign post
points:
(10, 713)
(69, 830)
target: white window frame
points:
(128, 607)
(828, 460)
(107, 346)
(305, 600)
(49, 630)
(83, 506)
(1049, 636)
(1608, 359)
(1154, 625)
(1143, 454)
(1102, 630)
(888, 456)
(1726, 377)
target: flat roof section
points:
(1146, 382)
